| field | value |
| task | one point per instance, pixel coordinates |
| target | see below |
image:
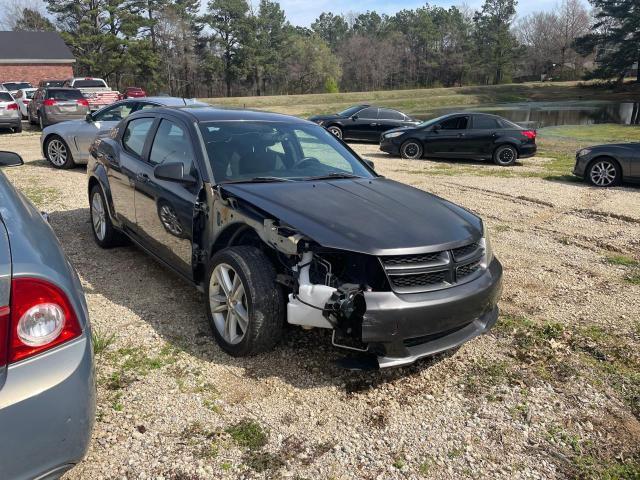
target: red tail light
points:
(4, 330)
(83, 101)
(49, 102)
(12, 106)
(530, 134)
(41, 318)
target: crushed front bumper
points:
(400, 329)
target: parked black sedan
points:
(462, 135)
(609, 165)
(277, 220)
(364, 122)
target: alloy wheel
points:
(228, 303)
(411, 150)
(506, 155)
(98, 216)
(336, 131)
(57, 152)
(603, 173)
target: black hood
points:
(374, 216)
(402, 129)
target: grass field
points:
(424, 101)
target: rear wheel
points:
(17, 129)
(245, 305)
(505, 155)
(57, 152)
(31, 120)
(334, 129)
(41, 121)
(104, 233)
(411, 150)
(604, 172)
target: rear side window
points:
(486, 123)
(507, 124)
(368, 113)
(89, 84)
(387, 114)
(455, 123)
(135, 135)
(63, 95)
(5, 97)
(171, 144)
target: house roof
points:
(34, 47)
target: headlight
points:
(486, 244)
(393, 134)
(584, 151)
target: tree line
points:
(233, 48)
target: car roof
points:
(208, 113)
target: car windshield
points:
(89, 84)
(433, 121)
(17, 85)
(67, 94)
(53, 83)
(351, 111)
(276, 151)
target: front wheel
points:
(335, 130)
(411, 150)
(57, 152)
(104, 233)
(245, 305)
(604, 172)
(505, 155)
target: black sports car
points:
(277, 220)
(608, 165)
(364, 122)
(462, 135)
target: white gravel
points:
(167, 393)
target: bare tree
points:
(12, 11)
(572, 22)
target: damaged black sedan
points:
(276, 220)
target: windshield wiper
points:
(332, 175)
(259, 180)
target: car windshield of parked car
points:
(52, 83)
(246, 151)
(89, 84)
(432, 122)
(350, 111)
(63, 95)
(17, 85)
(5, 97)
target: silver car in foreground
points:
(67, 144)
(47, 385)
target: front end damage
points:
(394, 309)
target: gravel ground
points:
(552, 392)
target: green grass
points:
(602, 133)
(41, 196)
(101, 340)
(623, 260)
(420, 101)
(249, 434)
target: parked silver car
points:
(54, 105)
(47, 385)
(9, 113)
(67, 144)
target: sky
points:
(304, 12)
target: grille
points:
(467, 250)
(433, 271)
(418, 280)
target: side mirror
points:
(89, 117)
(173, 172)
(10, 159)
(369, 163)
(354, 117)
(436, 127)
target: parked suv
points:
(276, 219)
(9, 113)
(53, 105)
(462, 135)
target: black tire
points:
(60, 156)
(111, 237)
(604, 172)
(263, 300)
(18, 129)
(505, 155)
(41, 122)
(31, 120)
(411, 150)
(335, 130)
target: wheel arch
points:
(99, 177)
(604, 156)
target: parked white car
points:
(13, 86)
(9, 113)
(23, 97)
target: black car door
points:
(123, 166)
(447, 139)
(164, 208)
(482, 135)
(363, 125)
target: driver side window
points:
(171, 144)
(455, 123)
(115, 113)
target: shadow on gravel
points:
(131, 279)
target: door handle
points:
(373, 124)
(461, 135)
(142, 177)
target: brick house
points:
(34, 56)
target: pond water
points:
(549, 114)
